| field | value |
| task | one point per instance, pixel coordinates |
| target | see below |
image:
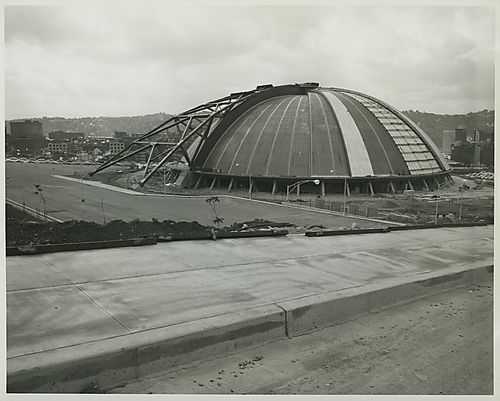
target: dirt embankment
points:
(23, 229)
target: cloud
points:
(125, 58)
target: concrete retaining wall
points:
(321, 233)
(77, 246)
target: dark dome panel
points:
(301, 131)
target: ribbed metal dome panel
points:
(320, 132)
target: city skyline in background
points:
(101, 61)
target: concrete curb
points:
(114, 361)
(324, 233)
(315, 312)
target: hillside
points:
(432, 123)
(103, 126)
(435, 124)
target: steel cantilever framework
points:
(176, 135)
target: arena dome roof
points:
(310, 131)
(273, 138)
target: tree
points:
(213, 202)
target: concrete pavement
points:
(439, 344)
(128, 312)
(72, 199)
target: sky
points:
(118, 59)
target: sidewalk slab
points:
(116, 360)
(134, 304)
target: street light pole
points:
(296, 184)
(460, 206)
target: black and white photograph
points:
(268, 197)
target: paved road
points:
(437, 345)
(69, 298)
(68, 200)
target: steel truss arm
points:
(193, 122)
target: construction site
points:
(222, 250)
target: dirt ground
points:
(470, 205)
(442, 344)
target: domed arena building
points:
(312, 139)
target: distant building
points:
(99, 138)
(126, 138)
(55, 147)
(26, 136)
(116, 147)
(83, 156)
(448, 141)
(476, 140)
(460, 135)
(7, 138)
(66, 136)
(120, 135)
(476, 136)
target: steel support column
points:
(212, 185)
(391, 186)
(370, 187)
(198, 181)
(426, 185)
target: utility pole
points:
(103, 215)
(460, 205)
(437, 204)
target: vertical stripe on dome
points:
(340, 164)
(256, 164)
(292, 138)
(229, 138)
(326, 167)
(357, 154)
(279, 157)
(240, 159)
